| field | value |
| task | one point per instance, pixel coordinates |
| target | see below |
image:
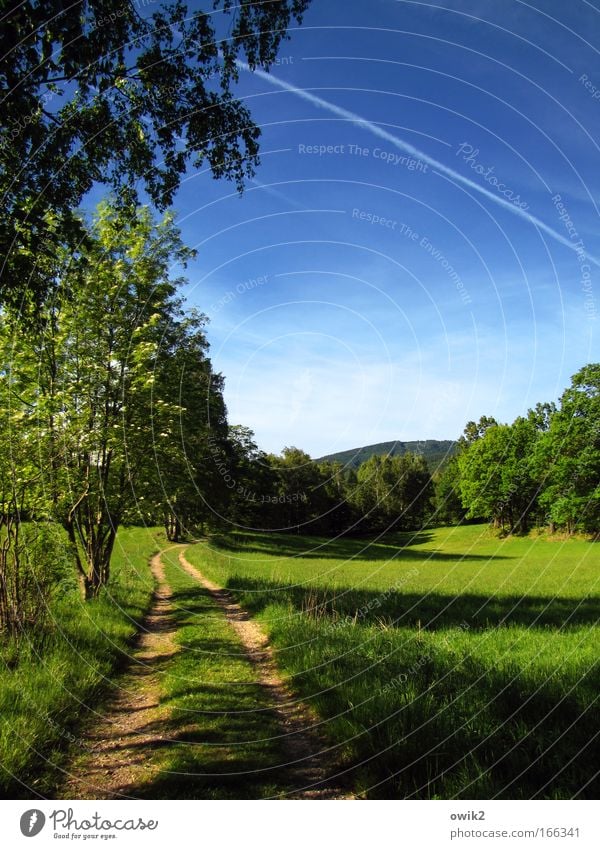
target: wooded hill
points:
(435, 452)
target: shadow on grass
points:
(424, 723)
(414, 719)
(396, 547)
(297, 545)
(422, 610)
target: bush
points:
(35, 561)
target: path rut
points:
(134, 723)
(310, 768)
(119, 747)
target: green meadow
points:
(448, 663)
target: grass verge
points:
(57, 679)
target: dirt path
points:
(119, 746)
(310, 767)
(122, 751)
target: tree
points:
(541, 415)
(248, 476)
(298, 498)
(93, 92)
(448, 505)
(497, 479)
(19, 484)
(393, 492)
(567, 457)
(188, 405)
(337, 512)
(118, 306)
(111, 392)
(33, 554)
(475, 430)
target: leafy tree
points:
(393, 492)
(248, 477)
(541, 415)
(113, 396)
(520, 486)
(448, 505)
(375, 481)
(19, 478)
(119, 304)
(480, 465)
(299, 497)
(497, 480)
(188, 406)
(32, 553)
(475, 430)
(568, 456)
(94, 92)
(337, 484)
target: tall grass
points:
(52, 681)
(447, 664)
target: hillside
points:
(435, 451)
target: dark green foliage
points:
(292, 492)
(95, 91)
(36, 565)
(568, 456)
(544, 468)
(496, 475)
(393, 493)
(448, 505)
(189, 490)
(475, 430)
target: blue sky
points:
(358, 293)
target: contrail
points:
(277, 194)
(417, 154)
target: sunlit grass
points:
(446, 664)
(55, 680)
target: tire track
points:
(120, 745)
(311, 770)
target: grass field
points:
(444, 664)
(57, 678)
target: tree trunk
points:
(11, 613)
(97, 542)
(172, 527)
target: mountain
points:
(435, 451)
